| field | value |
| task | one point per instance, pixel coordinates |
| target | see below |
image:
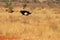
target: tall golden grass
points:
(42, 24)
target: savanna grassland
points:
(42, 24)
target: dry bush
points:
(8, 5)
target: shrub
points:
(8, 5)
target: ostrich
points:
(24, 12)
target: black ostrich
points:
(24, 12)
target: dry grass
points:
(42, 24)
